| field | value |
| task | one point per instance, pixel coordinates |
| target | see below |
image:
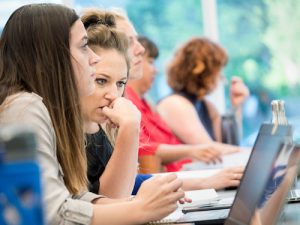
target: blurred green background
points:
(260, 36)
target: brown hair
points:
(94, 16)
(195, 67)
(151, 49)
(35, 57)
(102, 32)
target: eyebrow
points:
(107, 76)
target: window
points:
(261, 38)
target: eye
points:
(131, 40)
(85, 45)
(121, 84)
(101, 81)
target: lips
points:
(99, 109)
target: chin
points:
(101, 120)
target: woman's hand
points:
(225, 149)
(206, 153)
(158, 196)
(122, 112)
(229, 177)
(238, 91)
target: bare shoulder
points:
(173, 101)
(176, 106)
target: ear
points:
(200, 66)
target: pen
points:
(205, 208)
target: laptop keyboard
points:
(294, 195)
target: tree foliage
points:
(261, 37)
(281, 37)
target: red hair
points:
(195, 67)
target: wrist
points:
(129, 126)
(140, 211)
(132, 122)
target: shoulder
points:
(173, 101)
(27, 109)
(176, 107)
(19, 106)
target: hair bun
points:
(94, 20)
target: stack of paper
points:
(199, 197)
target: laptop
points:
(270, 206)
(267, 146)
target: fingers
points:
(233, 183)
(229, 177)
(175, 196)
(107, 111)
(174, 185)
(210, 156)
(238, 91)
(178, 195)
(228, 149)
(236, 174)
(170, 182)
(235, 79)
(167, 178)
(238, 170)
(184, 200)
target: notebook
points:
(199, 197)
(266, 147)
(230, 160)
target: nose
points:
(94, 58)
(111, 93)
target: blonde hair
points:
(102, 32)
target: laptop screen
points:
(265, 149)
(283, 175)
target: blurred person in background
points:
(193, 73)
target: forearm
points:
(171, 153)
(196, 135)
(190, 184)
(118, 214)
(117, 181)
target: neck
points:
(135, 86)
(90, 127)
